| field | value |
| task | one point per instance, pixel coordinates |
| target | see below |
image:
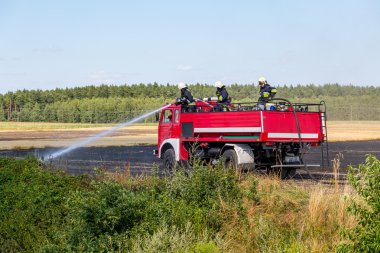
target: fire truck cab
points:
(271, 136)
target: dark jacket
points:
(267, 92)
(186, 96)
(222, 95)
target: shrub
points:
(111, 216)
(251, 193)
(208, 210)
(205, 191)
(103, 218)
(366, 180)
(173, 239)
(32, 205)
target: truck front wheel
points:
(230, 159)
(169, 161)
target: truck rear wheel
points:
(230, 159)
(169, 161)
(283, 173)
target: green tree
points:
(36, 113)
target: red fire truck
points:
(271, 136)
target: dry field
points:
(353, 130)
(29, 135)
(15, 135)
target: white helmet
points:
(182, 85)
(219, 84)
(262, 80)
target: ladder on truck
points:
(325, 143)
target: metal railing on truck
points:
(203, 106)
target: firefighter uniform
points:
(267, 93)
(223, 98)
(186, 96)
(222, 95)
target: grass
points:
(291, 218)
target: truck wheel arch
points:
(169, 144)
(244, 154)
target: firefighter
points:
(186, 96)
(223, 98)
(267, 92)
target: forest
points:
(115, 103)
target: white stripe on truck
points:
(227, 129)
(292, 135)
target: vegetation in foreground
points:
(209, 210)
(366, 181)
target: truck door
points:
(176, 131)
(166, 125)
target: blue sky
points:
(49, 44)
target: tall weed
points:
(173, 239)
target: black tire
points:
(230, 159)
(283, 173)
(169, 161)
(291, 172)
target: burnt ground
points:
(140, 159)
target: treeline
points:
(111, 103)
(94, 110)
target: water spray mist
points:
(100, 135)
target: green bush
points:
(204, 191)
(32, 206)
(366, 181)
(111, 216)
(252, 193)
(173, 239)
(101, 218)
(46, 211)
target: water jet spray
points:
(100, 135)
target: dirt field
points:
(40, 135)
